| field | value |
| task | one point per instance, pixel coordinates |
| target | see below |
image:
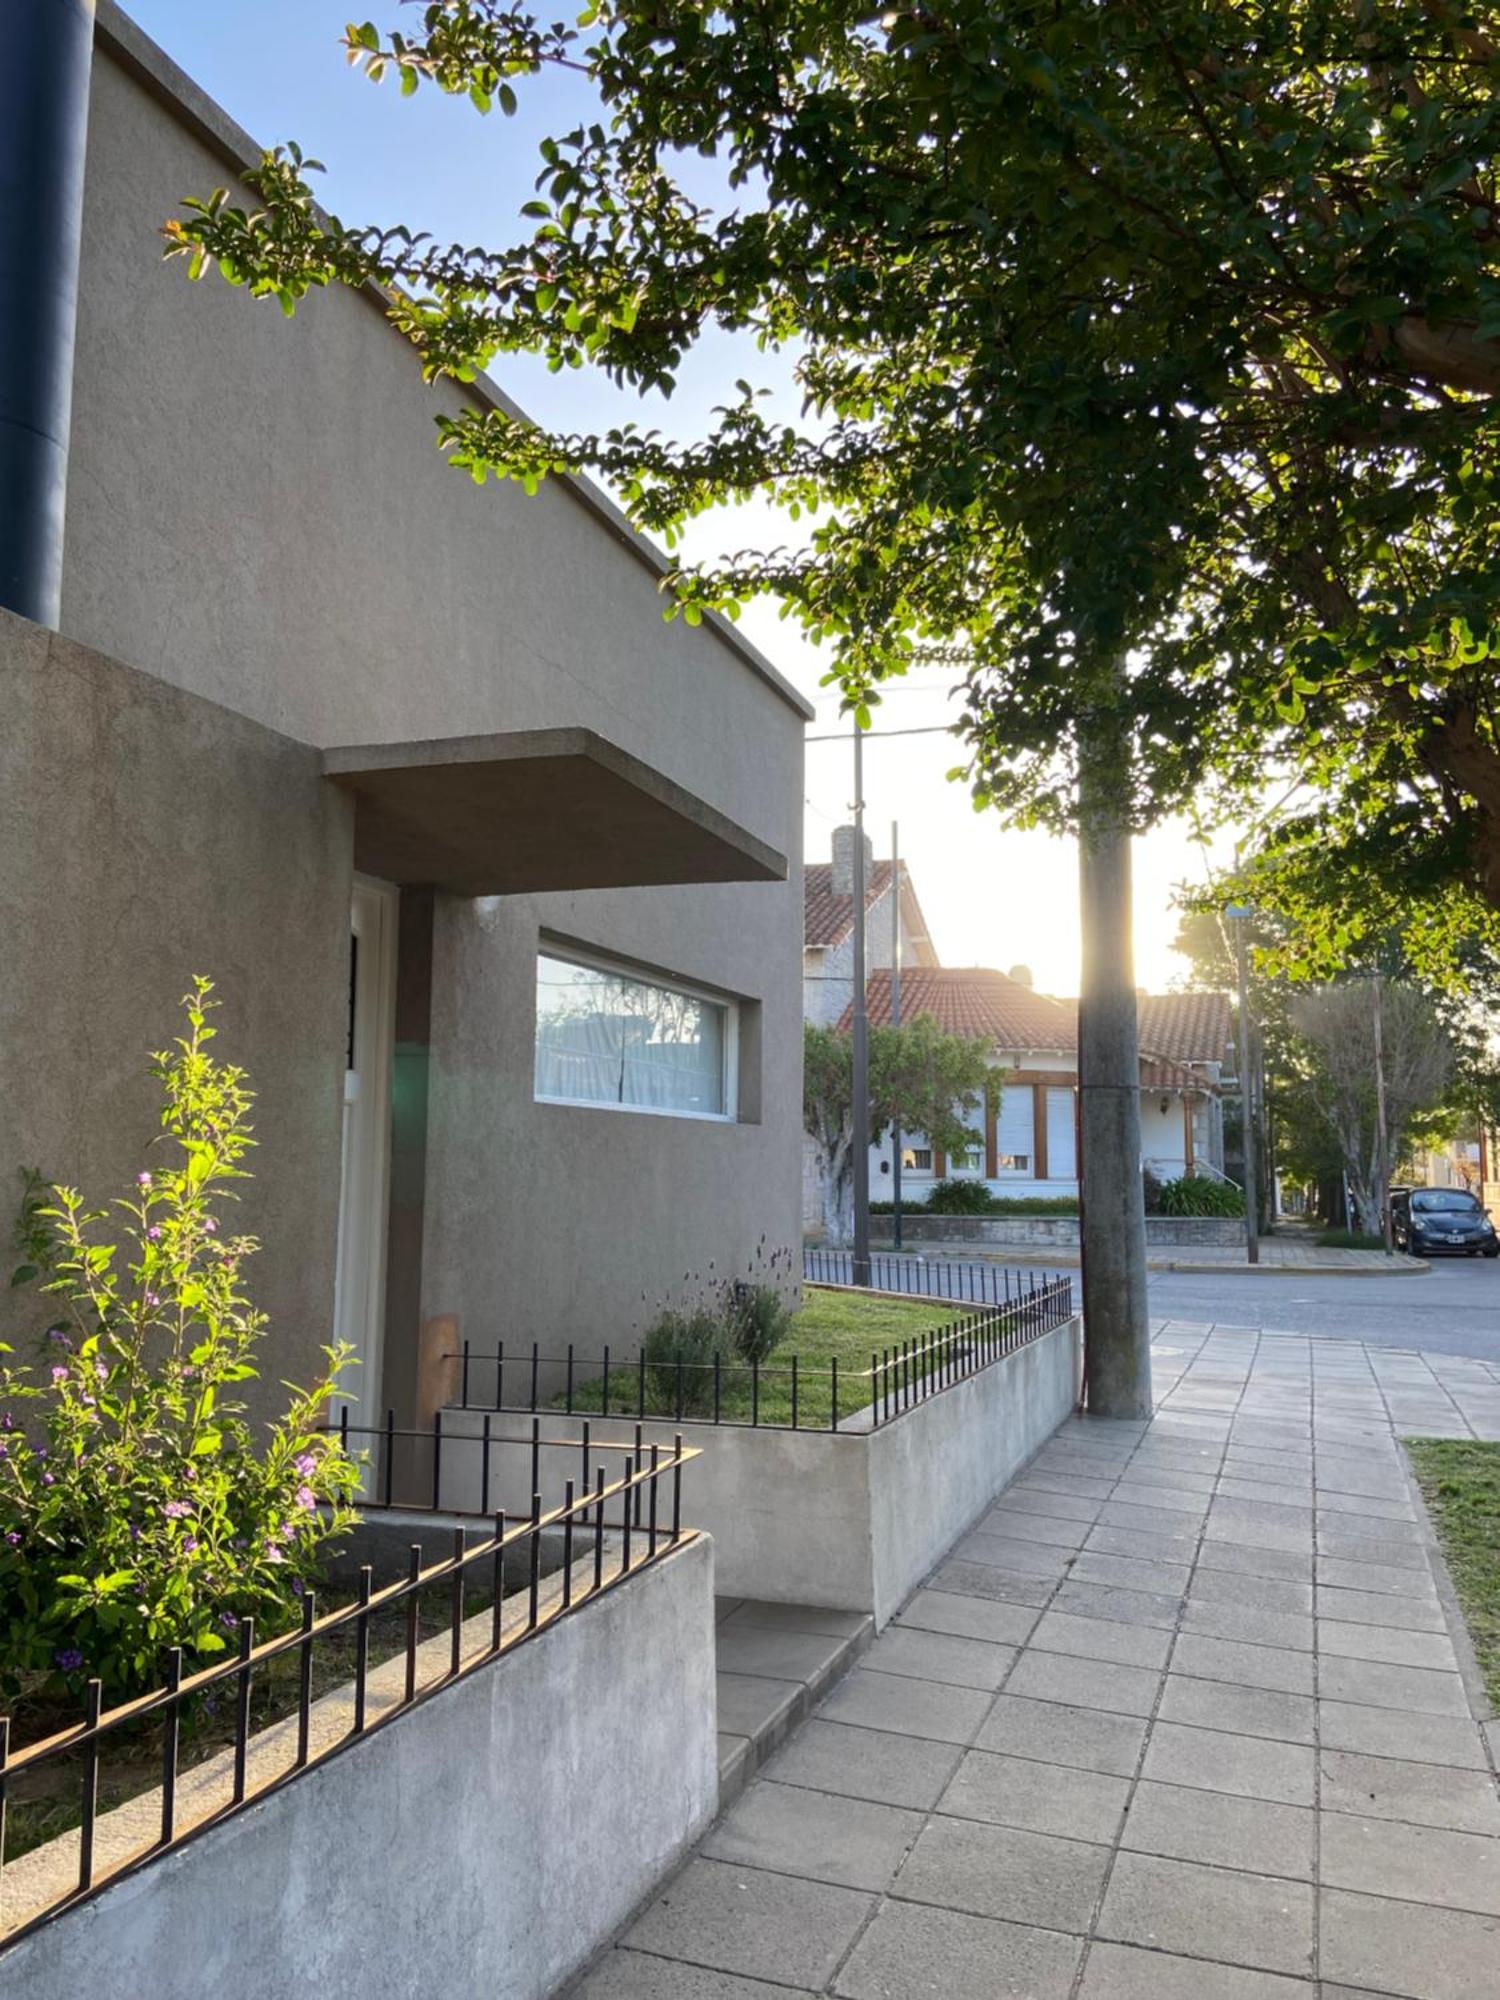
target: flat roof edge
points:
(207, 119)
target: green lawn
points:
(1461, 1482)
(832, 1326)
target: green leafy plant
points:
(759, 1316)
(679, 1349)
(138, 1509)
(960, 1198)
(1195, 1194)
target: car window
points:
(1436, 1200)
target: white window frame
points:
(624, 968)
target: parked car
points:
(1442, 1222)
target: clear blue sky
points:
(277, 66)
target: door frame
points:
(365, 1180)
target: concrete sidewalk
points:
(1181, 1719)
(1279, 1257)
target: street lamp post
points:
(860, 1037)
(895, 1023)
(1240, 912)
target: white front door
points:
(359, 1287)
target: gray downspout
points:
(44, 101)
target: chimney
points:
(843, 861)
(1021, 974)
(44, 100)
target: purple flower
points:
(228, 1620)
(56, 1333)
(305, 1463)
(48, 1480)
(101, 1370)
(190, 1545)
(7, 1421)
(306, 1497)
(59, 1374)
(153, 1299)
(273, 1552)
(176, 1509)
(13, 1536)
(39, 1451)
(69, 1659)
(154, 1232)
(135, 1532)
(4, 1449)
(210, 1225)
(143, 1180)
(298, 1586)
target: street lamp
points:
(1240, 912)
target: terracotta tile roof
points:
(973, 1000)
(1187, 1027)
(969, 1000)
(826, 918)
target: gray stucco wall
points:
(958, 1231)
(852, 1520)
(258, 514)
(483, 1844)
(147, 836)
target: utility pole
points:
(1382, 1133)
(1112, 1226)
(1240, 912)
(861, 1035)
(895, 1023)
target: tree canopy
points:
(921, 1078)
(1162, 332)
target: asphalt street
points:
(1454, 1309)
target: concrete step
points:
(775, 1664)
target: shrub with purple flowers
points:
(138, 1508)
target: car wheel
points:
(1494, 1251)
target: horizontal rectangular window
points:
(918, 1158)
(606, 1036)
(1013, 1163)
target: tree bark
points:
(1117, 1329)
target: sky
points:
(991, 897)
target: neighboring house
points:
(1025, 1137)
(828, 952)
(496, 871)
(828, 926)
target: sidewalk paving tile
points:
(1253, 1920)
(873, 1764)
(1394, 1646)
(637, 1975)
(1089, 1638)
(814, 1835)
(1087, 1739)
(1122, 1972)
(1213, 1760)
(1420, 1688)
(941, 1657)
(914, 1949)
(741, 1920)
(1407, 1948)
(1041, 1798)
(906, 1707)
(1286, 1718)
(1424, 1794)
(1002, 1871)
(1424, 1864)
(1084, 1683)
(1223, 1830)
(1386, 1732)
(969, 1617)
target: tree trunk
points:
(1117, 1328)
(838, 1198)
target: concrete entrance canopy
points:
(533, 810)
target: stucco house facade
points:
(496, 871)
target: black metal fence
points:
(607, 1527)
(790, 1395)
(966, 1283)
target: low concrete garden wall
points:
(485, 1842)
(852, 1519)
(1039, 1231)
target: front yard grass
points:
(831, 1326)
(1460, 1480)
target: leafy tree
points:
(921, 1079)
(1150, 356)
(1337, 1023)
